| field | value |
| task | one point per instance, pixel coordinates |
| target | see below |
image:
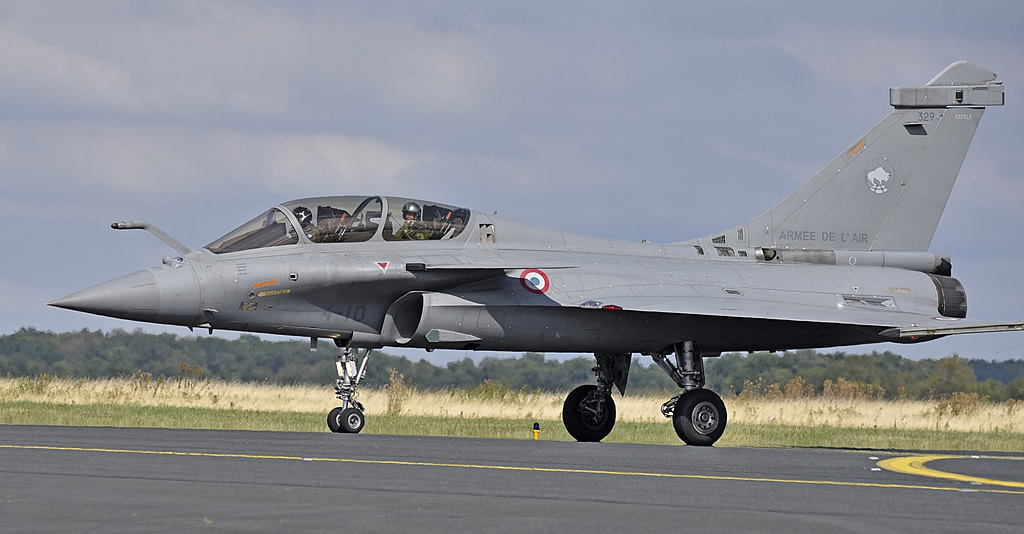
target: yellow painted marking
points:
(855, 149)
(273, 292)
(505, 468)
(914, 465)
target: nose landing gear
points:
(349, 417)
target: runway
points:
(127, 480)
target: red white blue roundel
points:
(534, 281)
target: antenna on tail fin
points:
(887, 190)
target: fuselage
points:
(498, 284)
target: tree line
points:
(95, 354)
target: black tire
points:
(351, 420)
(581, 421)
(699, 417)
(334, 420)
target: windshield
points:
(337, 219)
(270, 229)
(410, 219)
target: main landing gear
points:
(589, 411)
(698, 415)
(348, 418)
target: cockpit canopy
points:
(348, 219)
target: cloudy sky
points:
(684, 119)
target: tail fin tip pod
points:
(963, 73)
(888, 189)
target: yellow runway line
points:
(914, 465)
(506, 468)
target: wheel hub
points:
(705, 418)
(592, 410)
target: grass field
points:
(962, 422)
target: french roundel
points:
(534, 281)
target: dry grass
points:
(961, 412)
(968, 414)
(141, 389)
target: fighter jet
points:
(843, 260)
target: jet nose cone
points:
(134, 296)
(166, 294)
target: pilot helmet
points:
(411, 208)
(303, 214)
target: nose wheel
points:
(346, 420)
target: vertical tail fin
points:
(888, 189)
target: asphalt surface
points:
(131, 480)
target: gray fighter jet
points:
(841, 261)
